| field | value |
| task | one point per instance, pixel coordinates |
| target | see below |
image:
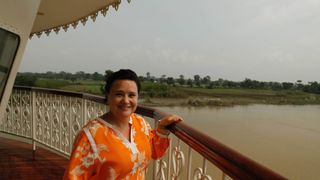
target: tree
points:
(299, 84)
(229, 84)
(107, 73)
(275, 85)
(63, 75)
(247, 83)
(312, 87)
(170, 80)
(50, 75)
(219, 82)
(73, 78)
(263, 85)
(181, 80)
(148, 76)
(197, 79)
(141, 78)
(26, 79)
(287, 85)
(80, 75)
(97, 77)
(163, 79)
(190, 83)
(87, 76)
(206, 80)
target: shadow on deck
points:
(17, 161)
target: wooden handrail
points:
(228, 160)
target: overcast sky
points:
(265, 40)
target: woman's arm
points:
(82, 161)
(159, 137)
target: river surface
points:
(284, 138)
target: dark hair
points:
(122, 74)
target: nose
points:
(126, 99)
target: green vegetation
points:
(52, 83)
(87, 88)
(151, 90)
(79, 81)
(179, 91)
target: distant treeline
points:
(29, 79)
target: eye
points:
(132, 95)
(118, 94)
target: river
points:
(284, 138)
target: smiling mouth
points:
(124, 107)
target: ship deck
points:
(18, 161)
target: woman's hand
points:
(167, 120)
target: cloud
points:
(287, 11)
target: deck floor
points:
(17, 161)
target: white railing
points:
(53, 118)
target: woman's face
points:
(123, 98)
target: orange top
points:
(102, 152)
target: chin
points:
(126, 113)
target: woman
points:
(119, 144)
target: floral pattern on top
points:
(115, 157)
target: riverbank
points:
(186, 96)
(231, 100)
(153, 94)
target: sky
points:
(264, 40)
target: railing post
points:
(178, 161)
(59, 109)
(84, 112)
(33, 107)
(69, 99)
(189, 163)
(204, 167)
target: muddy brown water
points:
(284, 138)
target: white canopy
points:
(54, 15)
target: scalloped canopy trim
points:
(74, 24)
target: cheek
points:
(113, 100)
(134, 100)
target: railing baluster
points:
(19, 114)
(33, 108)
(50, 125)
(201, 173)
(189, 163)
(204, 166)
(84, 112)
(59, 114)
(178, 161)
(70, 123)
(205, 175)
